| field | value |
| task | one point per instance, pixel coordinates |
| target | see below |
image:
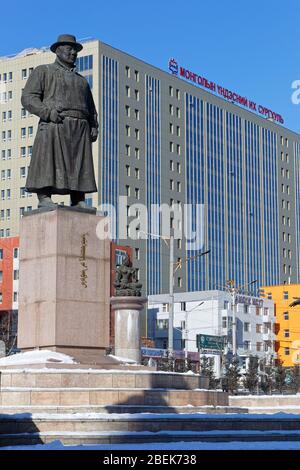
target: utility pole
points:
(173, 268)
(233, 291)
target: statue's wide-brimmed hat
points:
(66, 39)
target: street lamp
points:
(173, 268)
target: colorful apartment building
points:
(287, 323)
(9, 274)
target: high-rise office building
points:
(164, 139)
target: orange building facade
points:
(287, 326)
(9, 273)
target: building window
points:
(137, 253)
(137, 114)
(170, 91)
(127, 190)
(137, 75)
(137, 153)
(137, 193)
(286, 333)
(171, 128)
(183, 306)
(137, 173)
(286, 315)
(128, 131)
(178, 94)
(224, 322)
(127, 170)
(259, 346)
(171, 165)
(22, 192)
(285, 295)
(23, 152)
(24, 74)
(137, 134)
(1, 253)
(258, 328)
(23, 132)
(22, 172)
(247, 345)
(286, 351)
(16, 252)
(15, 296)
(137, 95)
(179, 282)
(127, 111)
(127, 70)
(247, 327)
(165, 307)
(16, 274)
(128, 91)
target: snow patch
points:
(36, 357)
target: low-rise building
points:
(287, 320)
(213, 313)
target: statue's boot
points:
(45, 200)
(78, 200)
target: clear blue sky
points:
(248, 47)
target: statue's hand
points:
(56, 117)
(94, 134)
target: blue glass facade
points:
(297, 201)
(84, 65)
(153, 180)
(254, 258)
(235, 179)
(233, 171)
(215, 201)
(270, 208)
(195, 172)
(110, 134)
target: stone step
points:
(129, 409)
(153, 423)
(99, 379)
(110, 396)
(265, 401)
(71, 438)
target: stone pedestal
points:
(64, 284)
(127, 326)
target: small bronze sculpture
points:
(126, 282)
(62, 161)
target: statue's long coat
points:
(62, 153)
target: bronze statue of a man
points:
(62, 161)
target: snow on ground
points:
(124, 360)
(36, 357)
(180, 445)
